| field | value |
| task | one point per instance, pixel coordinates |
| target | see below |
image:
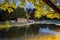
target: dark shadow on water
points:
(22, 31)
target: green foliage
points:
(17, 13)
(8, 7)
(38, 4)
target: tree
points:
(48, 2)
(4, 15)
(18, 13)
(41, 8)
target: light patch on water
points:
(46, 30)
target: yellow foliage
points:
(38, 14)
(50, 15)
(38, 4)
(10, 10)
(8, 7)
(45, 13)
(33, 1)
(13, 6)
(56, 15)
(4, 7)
(53, 15)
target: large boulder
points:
(22, 20)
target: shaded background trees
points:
(17, 13)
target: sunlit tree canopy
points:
(42, 9)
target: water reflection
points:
(37, 31)
(47, 31)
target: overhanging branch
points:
(54, 7)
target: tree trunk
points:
(54, 7)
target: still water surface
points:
(31, 32)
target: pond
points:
(31, 32)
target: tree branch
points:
(54, 7)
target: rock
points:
(22, 20)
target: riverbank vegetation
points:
(11, 10)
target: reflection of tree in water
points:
(18, 32)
